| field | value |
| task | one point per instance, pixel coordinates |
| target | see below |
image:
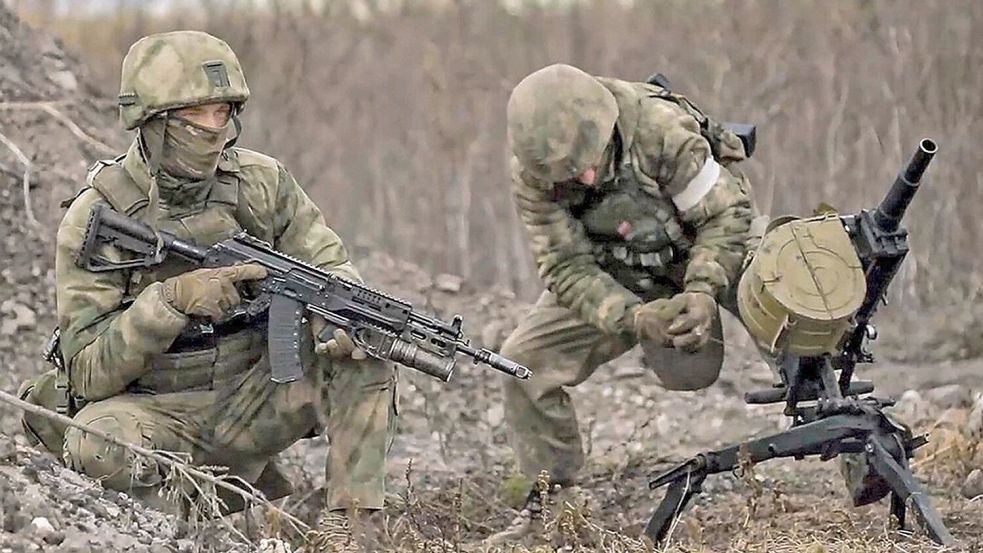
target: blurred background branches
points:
(391, 112)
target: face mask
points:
(190, 151)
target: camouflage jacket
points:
(660, 151)
(114, 323)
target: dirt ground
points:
(452, 475)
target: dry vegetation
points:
(398, 118)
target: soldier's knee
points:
(117, 467)
(41, 391)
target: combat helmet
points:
(173, 70)
(560, 120)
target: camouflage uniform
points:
(669, 213)
(151, 375)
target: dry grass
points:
(405, 109)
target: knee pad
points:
(41, 391)
(117, 467)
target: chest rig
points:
(203, 355)
(205, 221)
(637, 237)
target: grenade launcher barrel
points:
(892, 208)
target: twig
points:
(933, 456)
(102, 102)
(250, 495)
(50, 109)
(75, 129)
(26, 178)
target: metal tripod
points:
(833, 425)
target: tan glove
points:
(340, 346)
(209, 292)
(682, 321)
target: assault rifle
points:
(837, 420)
(385, 327)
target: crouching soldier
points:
(145, 356)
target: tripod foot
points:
(905, 488)
(678, 495)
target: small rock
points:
(448, 283)
(160, 546)
(41, 527)
(273, 545)
(7, 449)
(496, 415)
(54, 538)
(112, 510)
(65, 79)
(18, 316)
(912, 408)
(950, 396)
(973, 487)
(99, 510)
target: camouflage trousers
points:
(242, 422)
(562, 350)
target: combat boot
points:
(530, 520)
(333, 534)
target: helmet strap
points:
(238, 127)
(153, 163)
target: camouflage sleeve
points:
(106, 346)
(301, 232)
(711, 200)
(566, 260)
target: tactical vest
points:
(638, 238)
(203, 356)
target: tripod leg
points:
(905, 487)
(677, 497)
(898, 509)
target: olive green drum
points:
(802, 286)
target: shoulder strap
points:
(116, 185)
(725, 145)
(90, 174)
(108, 177)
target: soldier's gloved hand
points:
(690, 329)
(652, 319)
(682, 321)
(339, 346)
(209, 292)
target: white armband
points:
(699, 186)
